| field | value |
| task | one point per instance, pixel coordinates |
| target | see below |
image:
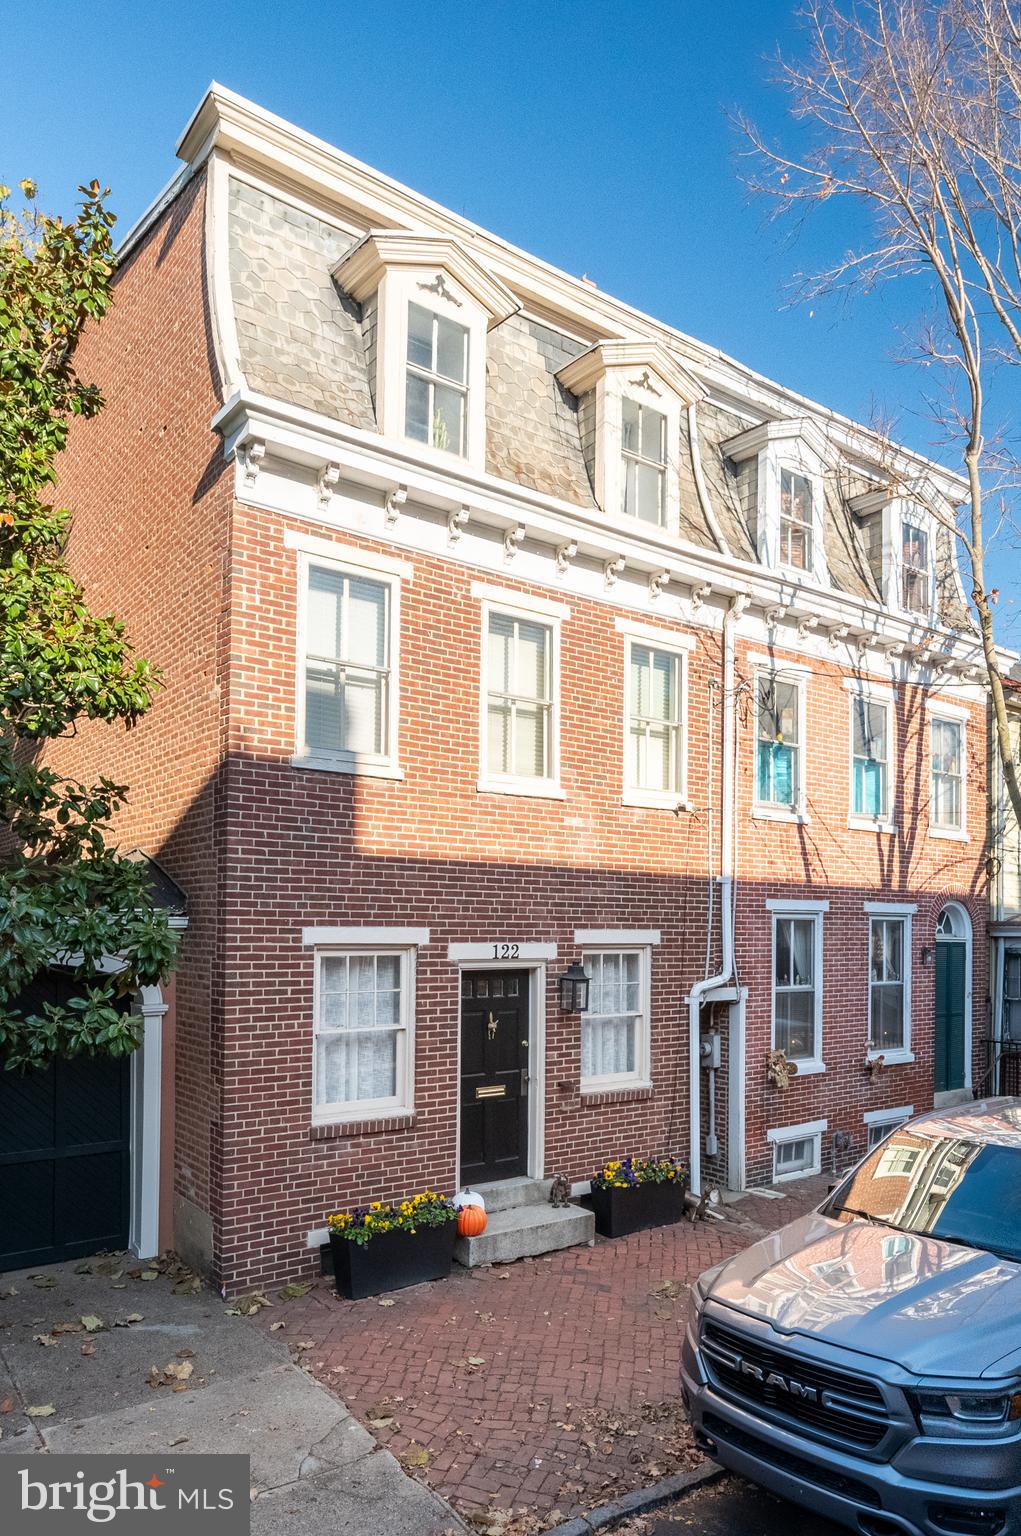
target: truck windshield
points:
(943, 1186)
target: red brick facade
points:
(208, 589)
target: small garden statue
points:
(560, 1191)
(779, 1070)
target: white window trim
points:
(796, 466)
(811, 1129)
(908, 511)
(766, 810)
(403, 1101)
(365, 938)
(615, 938)
(363, 765)
(802, 911)
(632, 794)
(889, 1119)
(884, 697)
(942, 716)
(519, 606)
(641, 1077)
(905, 911)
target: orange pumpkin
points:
(471, 1221)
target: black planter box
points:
(391, 1260)
(620, 1211)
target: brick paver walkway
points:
(543, 1386)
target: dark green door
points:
(950, 986)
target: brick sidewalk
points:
(544, 1386)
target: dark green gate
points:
(65, 1154)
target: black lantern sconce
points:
(574, 985)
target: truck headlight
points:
(971, 1407)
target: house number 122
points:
(506, 951)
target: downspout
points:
(727, 878)
(700, 486)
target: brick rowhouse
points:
(670, 550)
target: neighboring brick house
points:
(505, 627)
(1003, 1061)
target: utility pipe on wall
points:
(727, 877)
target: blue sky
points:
(593, 134)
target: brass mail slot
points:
(493, 1091)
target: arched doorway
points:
(952, 1057)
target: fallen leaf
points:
(189, 1286)
(88, 1349)
(181, 1440)
(6, 1404)
(83, 1269)
(148, 1274)
(125, 1322)
(387, 1302)
(304, 1344)
(45, 1338)
(93, 1324)
(178, 1370)
(44, 1282)
(416, 1456)
(185, 1354)
(274, 1326)
(295, 1290)
(42, 1412)
(475, 1360)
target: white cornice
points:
(306, 438)
(360, 270)
(745, 445)
(252, 136)
(582, 373)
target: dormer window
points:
(632, 394)
(643, 448)
(427, 305)
(796, 520)
(780, 469)
(436, 408)
(915, 580)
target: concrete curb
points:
(641, 1502)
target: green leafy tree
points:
(67, 896)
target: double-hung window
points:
(615, 1028)
(346, 713)
(436, 397)
(797, 985)
(643, 446)
(363, 1053)
(655, 737)
(778, 744)
(889, 960)
(915, 575)
(870, 758)
(797, 1149)
(946, 812)
(519, 698)
(796, 520)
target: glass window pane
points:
(363, 713)
(783, 951)
(657, 769)
(498, 748)
(803, 953)
(416, 411)
(795, 497)
(630, 419)
(366, 622)
(663, 686)
(325, 601)
(356, 1066)
(631, 487)
(448, 418)
(530, 671)
(888, 1016)
(653, 435)
(451, 350)
(501, 645)
(323, 731)
(650, 493)
(795, 1024)
(530, 741)
(420, 336)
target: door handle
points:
(524, 1080)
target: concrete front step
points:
(504, 1194)
(524, 1232)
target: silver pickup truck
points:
(865, 1361)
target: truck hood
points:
(935, 1308)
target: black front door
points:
(494, 1075)
(64, 1153)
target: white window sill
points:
(799, 1173)
(655, 800)
(951, 834)
(615, 1085)
(359, 1113)
(536, 789)
(871, 824)
(897, 1058)
(808, 1068)
(345, 765)
(780, 813)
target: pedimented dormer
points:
(900, 533)
(427, 306)
(631, 398)
(781, 482)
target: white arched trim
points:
(955, 920)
